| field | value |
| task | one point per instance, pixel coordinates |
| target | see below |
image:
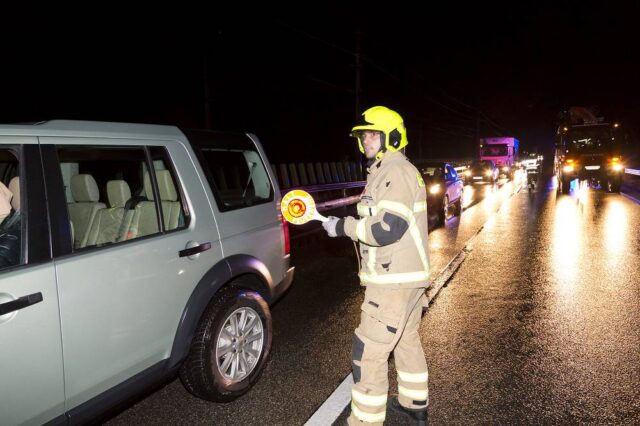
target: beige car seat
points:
(82, 212)
(111, 224)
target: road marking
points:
(331, 409)
(630, 197)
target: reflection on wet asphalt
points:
(541, 324)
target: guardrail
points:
(336, 184)
(292, 175)
(321, 176)
(632, 171)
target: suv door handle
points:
(194, 250)
(22, 302)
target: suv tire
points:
(458, 207)
(201, 373)
(443, 213)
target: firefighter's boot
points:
(419, 417)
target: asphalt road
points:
(538, 326)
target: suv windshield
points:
(494, 150)
(589, 139)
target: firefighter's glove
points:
(330, 226)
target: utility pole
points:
(358, 88)
(476, 143)
(420, 141)
(358, 92)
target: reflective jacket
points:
(392, 229)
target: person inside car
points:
(10, 229)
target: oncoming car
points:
(482, 171)
(141, 251)
(444, 190)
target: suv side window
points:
(11, 235)
(175, 214)
(234, 169)
(111, 197)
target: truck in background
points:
(503, 151)
(588, 149)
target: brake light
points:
(285, 232)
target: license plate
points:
(477, 177)
(592, 167)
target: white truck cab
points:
(503, 151)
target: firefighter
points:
(392, 236)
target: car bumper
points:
(480, 179)
(593, 173)
(283, 285)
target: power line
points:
(449, 108)
(440, 129)
(314, 37)
(486, 117)
(391, 75)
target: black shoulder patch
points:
(397, 228)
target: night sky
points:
(453, 72)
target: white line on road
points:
(630, 197)
(333, 406)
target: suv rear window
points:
(234, 168)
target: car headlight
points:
(505, 169)
(434, 189)
(467, 172)
(489, 173)
(618, 167)
(568, 168)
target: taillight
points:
(285, 232)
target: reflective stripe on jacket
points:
(392, 229)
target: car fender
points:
(213, 280)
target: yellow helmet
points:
(385, 120)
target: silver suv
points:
(129, 252)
